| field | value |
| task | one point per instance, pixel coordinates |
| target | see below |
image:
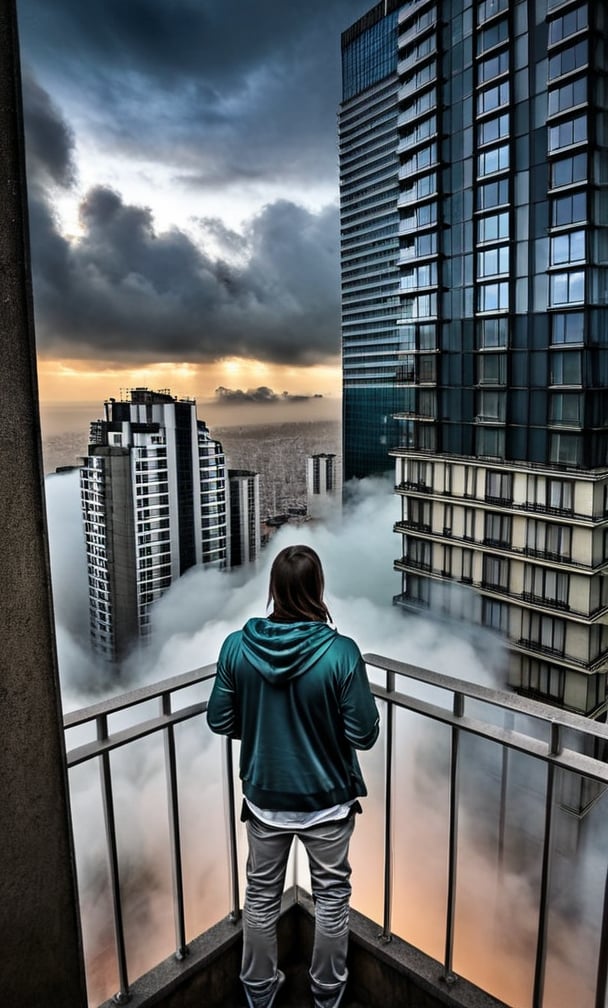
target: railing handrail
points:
(124, 700)
(498, 698)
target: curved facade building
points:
(154, 503)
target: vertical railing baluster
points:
(453, 841)
(123, 995)
(386, 933)
(602, 963)
(174, 833)
(235, 913)
(504, 778)
(543, 913)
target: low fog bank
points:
(497, 901)
(357, 549)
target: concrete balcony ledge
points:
(382, 974)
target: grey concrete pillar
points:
(40, 944)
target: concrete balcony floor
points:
(381, 974)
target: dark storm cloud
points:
(126, 292)
(262, 394)
(50, 141)
(223, 91)
(223, 94)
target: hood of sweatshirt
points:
(282, 651)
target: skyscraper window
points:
(492, 161)
(567, 288)
(568, 24)
(568, 133)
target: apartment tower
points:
(322, 484)
(245, 524)
(153, 492)
(474, 216)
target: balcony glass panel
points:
(569, 23)
(490, 442)
(491, 130)
(568, 248)
(492, 67)
(491, 369)
(567, 288)
(567, 328)
(493, 194)
(566, 409)
(568, 209)
(493, 228)
(568, 133)
(566, 449)
(492, 161)
(492, 36)
(488, 8)
(493, 262)
(566, 367)
(492, 332)
(493, 297)
(569, 59)
(569, 170)
(568, 96)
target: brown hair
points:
(296, 586)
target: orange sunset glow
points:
(71, 381)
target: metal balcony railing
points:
(464, 708)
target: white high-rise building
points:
(154, 503)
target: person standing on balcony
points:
(295, 692)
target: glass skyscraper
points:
(474, 174)
(369, 194)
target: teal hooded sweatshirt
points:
(298, 698)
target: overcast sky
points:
(182, 169)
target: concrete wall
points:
(40, 958)
(381, 975)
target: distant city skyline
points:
(183, 217)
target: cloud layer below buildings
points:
(197, 612)
(497, 900)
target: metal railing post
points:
(235, 913)
(543, 913)
(123, 995)
(174, 833)
(449, 976)
(386, 932)
(504, 778)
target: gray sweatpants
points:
(327, 849)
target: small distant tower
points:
(154, 504)
(245, 533)
(321, 484)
